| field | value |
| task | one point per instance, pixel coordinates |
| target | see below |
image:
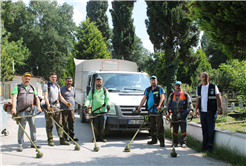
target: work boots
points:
(50, 137)
(64, 142)
(102, 136)
(153, 141)
(162, 143)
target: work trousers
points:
(57, 116)
(208, 120)
(99, 123)
(156, 127)
(68, 122)
(31, 121)
(183, 126)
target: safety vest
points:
(156, 96)
(212, 99)
(25, 98)
(182, 103)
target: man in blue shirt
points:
(155, 98)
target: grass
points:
(236, 127)
(220, 152)
(242, 110)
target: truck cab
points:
(126, 89)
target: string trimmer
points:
(49, 113)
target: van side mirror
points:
(88, 88)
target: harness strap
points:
(99, 107)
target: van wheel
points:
(82, 117)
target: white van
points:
(125, 86)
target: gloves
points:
(85, 110)
(69, 104)
(108, 107)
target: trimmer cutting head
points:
(96, 149)
(173, 154)
(127, 149)
(39, 155)
(77, 148)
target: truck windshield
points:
(125, 82)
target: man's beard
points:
(26, 83)
(99, 86)
(69, 84)
(153, 85)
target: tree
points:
(96, 11)
(170, 31)
(10, 51)
(185, 71)
(123, 32)
(139, 54)
(90, 43)
(46, 28)
(202, 65)
(224, 22)
(213, 52)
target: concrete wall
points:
(235, 141)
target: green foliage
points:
(202, 65)
(9, 51)
(71, 66)
(237, 72)
(223, 119)
(150, 64)
(213, 52)
(96, 11)
(185, 71)
(243, 110)
(140, 54)
(224, 23)
(7, 14)
(90, 43)
(46, 29)
(187, 88)
(123, 32)
(169, 30)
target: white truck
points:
(125, 86)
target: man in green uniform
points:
(100, 104)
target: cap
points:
(153, 77)
(27, 74)
(178, 83)
(99, 78)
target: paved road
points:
(110, 153)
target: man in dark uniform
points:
(155, 98)
(207, 102)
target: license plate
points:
(135, 121)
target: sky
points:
(139, 16)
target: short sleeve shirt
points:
(69, 96)
(151, 101)
(204, 96)
(15, 90)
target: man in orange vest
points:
(178, 104)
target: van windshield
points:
(125, 82)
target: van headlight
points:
(112, 110)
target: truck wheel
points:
(82, 117)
